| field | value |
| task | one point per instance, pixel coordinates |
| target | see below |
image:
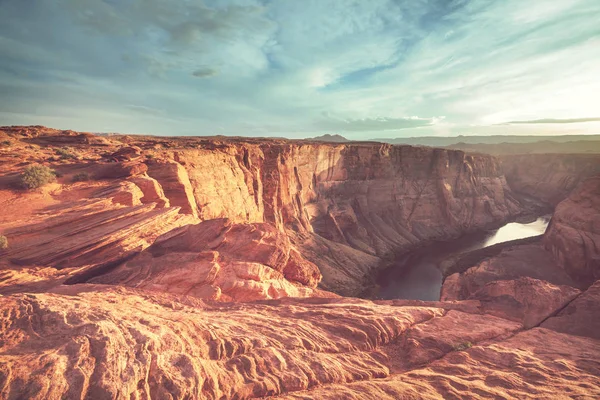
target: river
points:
(416, 275)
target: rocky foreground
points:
(213, 268)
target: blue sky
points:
(300, 68)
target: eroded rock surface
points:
(549, 177)
(573, 236)
(155, 277)
(223, 261)
(120, 343)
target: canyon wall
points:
(347, 206)
(573, 236)
(569, 251)
(549, 177)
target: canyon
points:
(214, 267)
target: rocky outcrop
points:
(152, 191)
(90, 232)
(124, 193)
(84, 341)
(573, 236)
(222, 261)
(116, 170)
(581, 317)
(126, 153)
(549, 177)
(175, 184)
(520, 260)
(525, 300)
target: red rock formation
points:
(152, 191)
(222, 261)
(119, 170)
(352, 201)
(549, 177)
(513, 262)
(126, 153)
(119, 343)
(580, 317)
(573, 236)
(145, 332)
(88, 233)
(175, 184)
(124, 193)
(526, 300)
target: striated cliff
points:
(346, 206)
(573, 236)
(549, 177)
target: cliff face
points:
(573, 236)
(567, 254)
(549, 177)
(355, 203)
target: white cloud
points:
(277, 67)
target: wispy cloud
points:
(553, 121)
(297, 68)
(205, 72)
(376, 124)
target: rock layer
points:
(118, 343)
(232, 221)
(573, 236)
(223, 261)
(356, 202)
(549, 177)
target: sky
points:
(302, 68)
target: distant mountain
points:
(543, 146)
(436, 141)
(330, 138)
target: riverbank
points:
(419, 274)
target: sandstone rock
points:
(89, 232)
(152, 190)
(538, 363)
(119, 170)
(513, 262)
(581, 317)
(122, 343)
(175, 183)
(124, 193)
(126, 153)
(526, 300)
(187, 348)
(222, 261)
(455, 331)
(573, 236)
